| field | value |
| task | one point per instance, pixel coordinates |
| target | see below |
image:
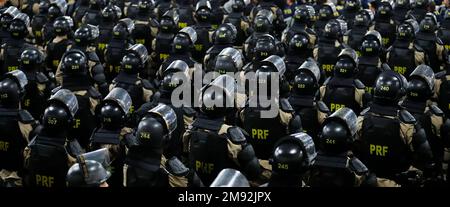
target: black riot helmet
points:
(135, 59)
(155, 129)
(363, 18)
(298, 43)
(389, 88)
(421, 83)
(372, 43)
(62, 107)
(307, 78)
(217, 98)
(293, 154)
(87, 173)
(265, 47)
(62, 25)
(407, 30)
(57, 8)
(123, 29)
(12, 87)
(18, 28)
(229, 60)
(225, 34)
(114, 109)
(421, 4)
(352, 4)
(31, 59)
(338, 131)
(7, 16)
(328, 11)
(145, 5)
(346, 66)
(111, 13)
(184, 41)
(169, 21)
(335, 28)
(384, 10)
(43, 7)
(174, 76)
(272, 68)
(203, 11)
(402, 4)
(96, 4)
(74, 62)
(237, 5)
(86, 35)
(263, 22)
(302, 15)
(429, 24)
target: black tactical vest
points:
(399, 14)
(327, 55)
(142, 33)
(113, 56)
(202, 44)
(55, 52)
(37, 24)
(428, 43)
(208, 151)
(384, 151)
(293, 62)
(331, 171)
(368, 71)
(444, 33)
(319, 26)
(185, 13)
(235, 18)
(356, 36)
(213, 52)
(79, 13)
(305, 107)
(93, 17)
(12, 142)
(4, 36)
(144, 168)
(444, 92)
(48, 31)
(33, 101)
(133, 86)
(163, 47)
(401, 58)
(47, 164)
(340, 93)
(11, 54)
(175, 147)
(386, 30)
(418, 13)
(103, 39)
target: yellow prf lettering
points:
(140, 41)
(447, 47)
(385, 40)
(163, 56)
(55, 63)
(198, 47)
(328, 68)
(131, 109)
(77, 123)
(369, 89)
(12, 68)
(378, 150)
(26, 102)
(260, 133)
(182, 25)
(400, 69)
(44, 181)
(204, 167)
(4, 146)
(335, 107)
(101, 46)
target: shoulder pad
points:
(406, 117)
(359, 84)
(176, 167)
(236, 135)
(436, 110)
(25, 117)
(94, 93)
(209, 50)
(147, 85)
(326, 81)
(189, 111)
(322, 107)
(363, 112)
(56, 90)
(310, 31)
(93, 57)
(285, 105)
(439, 41)
(357, 166)
(440, 74)
(41, 78)
(418, 48)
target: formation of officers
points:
(86, 93)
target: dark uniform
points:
(50, 154)
(186, 11)
(56, 9)
(162, 6)
(385, 23)
(278, 19)
(344, 89)
(351, 8)
(432, 45)
(93, 14)
(113, 115)
(16, 127)
(419, 10)
(370, 61)
(303, 98)
(110, 15)
(203, 17)
(239, 20)
(403, 56)
(6, 17)
(443, 31)
(362, 24)
(90, 170)
(79, 12)
(262, 25)
(146, 25)
(224, 37)
(329, 46)
(400, 10)
(442, 90)
(335, 166)
(326, 13)
(57, 46)
(213, 145)
(387, 137)
(37, 23)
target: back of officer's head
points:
(112, 117)
(305, 84)
(74, 63)
(152, 133)
(421, 84)
(31, 59)
(346, 65)
(89, 173)
(131, 63)
(10, 93)
(388, 88)
(298, 43)
(56, 118)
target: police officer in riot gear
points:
(161, 45)
(442, 90)
(385, 22)
(400, 10)
(351, 8)
(388, 137)
(265, 132)
(11, 50)
(93, 15)
(404, 55)
(110, 15)
(17, 126)
(37, 23)
(362, 24)
(224, 37)
(335, 165)
(210, 141)
(87, 173)
(203, 17)
(38, 89)
(49, 155)
(162, 6)
(75, 76)
(79, 11)
(304, 100)
(326, 13)
(56, 9)
(443, 31)
(146, 164)
(299, 50)
(262, 25)
(140, 90)
(370, 61)
(186, 10)
(58, 46)
(300, 23)
(432, 45)
(429, 116)
(239, 20)
(292, 156)
(116, 47)
(266, 45)
(344, 89)
(146, 25)
(278, 19)
(230, 60)
(113, 116)
(419, 10)
(329, 46)
(7, 15)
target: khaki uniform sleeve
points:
(359, 123)
(25, 130)
(437, 88)
(316, 53)
(93, 102)
(187, 121)
(147, 94)
(58, 75)
(322, 91)
(406, 133)
(41, 88)
(437, 122)
(359, 93)
(186, 138)
(419, 57)
(440, 52)
(321, 117)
